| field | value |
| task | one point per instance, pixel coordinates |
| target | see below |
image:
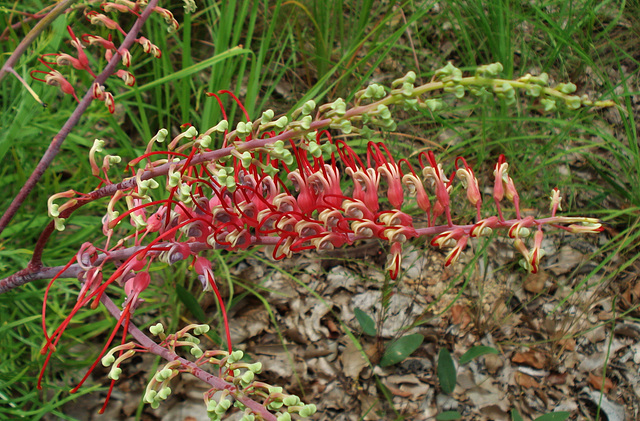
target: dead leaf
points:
(596, 383)
(535, 282)
(531, 358)
(526, 381)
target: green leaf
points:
(448, 415)
(515, 415)
(446, 371)
(366, 322)
(554, 416)
(476, 352)
(401, 349)
(191, 303)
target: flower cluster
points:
(80, 61)
(290, 185)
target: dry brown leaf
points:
(596, 383)
(531, 358)
(534, 283)
(526, 381)
(568, 344)
(557, 379)
(460, 315)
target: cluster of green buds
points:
(242, 374)
(158, 388)
(187, 338)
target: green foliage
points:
(446, 371)
(475, 352)
(400, 349)
(366, 322)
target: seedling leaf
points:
(476, 352)
(366, 322)
(554, 416)
(448, 415)
(401, 349)
(446, 371)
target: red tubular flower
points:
(99, 19)
(55, 78)
(387, 167)
(83, 61)
(306, 200)
(365, 187)
(435, 175)
(470, 182)
(326, 185)
(413, 183)
(127, 77)
(395, 260)
(149, 47)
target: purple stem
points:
(56, 143)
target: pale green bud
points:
(285, 416)
(275, 389)
(534, 90)
(275, 405)
(196, 352)
(308, 410)
(256, 367)
(156, 329)
(308, 107)
(566, 88)
(221, 127)
(191, 132)
(305, 122)
(204, 141)
(243, 129)
(247, 377)
(267, 116)
(573, 102)
(291, 400)
(150, 396)
(201, 329)
(282, 122)
(235, 356)
(113, 159)
(339, 106)
(247, 159)
(161, 135)
(107, 360)
(314, 149)
(434, 104)
(164, 393)
(59, 223)
(549, 104)
(115, 372)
